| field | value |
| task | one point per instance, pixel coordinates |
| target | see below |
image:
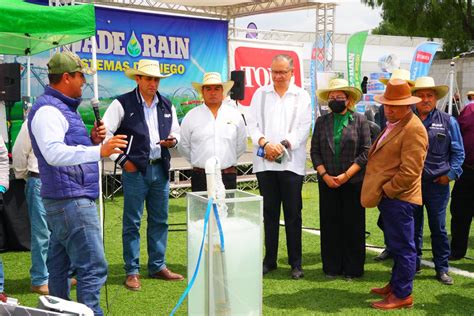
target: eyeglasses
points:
(280, 72)
(337, 99)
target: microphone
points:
(95, 108)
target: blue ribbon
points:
(198, 263)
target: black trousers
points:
(462, 211)
(277, 188)
(198, 181)
(342, 222)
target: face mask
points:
(337, 106)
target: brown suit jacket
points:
(395, 166)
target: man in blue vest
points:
(150, 122)
(443, 164)
(67, 162)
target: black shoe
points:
(444, 278)
(455, 258)
(297, 273)
(267, 269)
(384, 255)
(330, 276)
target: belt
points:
(231, 169)
(154, 161)
(33, 174)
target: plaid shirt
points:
(355, 144)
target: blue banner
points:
(422, 59)
(186, 47)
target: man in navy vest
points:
(150, 122)
(67, 163)
(443, 164)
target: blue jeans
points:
(152, 188)
(39, 232)
(398, 221)
(435, 199)
(2, 277)
(76, 240)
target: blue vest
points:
(134, 123)
(66, 181)
(439, 150)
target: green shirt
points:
(340, 121)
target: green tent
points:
(28, 29)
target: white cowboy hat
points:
(470, 93)
(213, 79)
(146, 67)
(423, 83)
(339, 85)
(399, 74)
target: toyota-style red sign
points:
(256, 63)
(423, 57)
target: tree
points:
(450, 20)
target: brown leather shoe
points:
(132, 282)
(393, 302)
(40, 289)
(382, 291)
(167, 275)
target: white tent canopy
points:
(223, 9)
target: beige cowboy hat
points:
(399, 74)
(339, 85)
(470, 93)
(146, 67)
(398, 92)
(213, 79)
(423, 83)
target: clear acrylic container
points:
(229, 282)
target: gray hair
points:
(284, 57)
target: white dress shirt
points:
(287, 117)
(113, 118)
(23, 157)
(49, 126)
(203, 136)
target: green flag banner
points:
(355, 47)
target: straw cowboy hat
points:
(146, 67)
(339, 85)
(398, 92)
(470, 93)
(399, 74)
(213, 79)
(423, 83)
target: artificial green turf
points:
(281, 296)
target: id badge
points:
(261, 152)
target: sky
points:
(351, 16)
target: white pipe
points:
(451, 88)
(212, 167)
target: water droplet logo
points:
(133, 47)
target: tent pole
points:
(96, 96)
(28, 77)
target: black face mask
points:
(337, 106)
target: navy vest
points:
(134, 123)
(439, 150)
(66, 181)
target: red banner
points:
(256, 63)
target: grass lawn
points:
(281, 296)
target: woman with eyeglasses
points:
(339, 148)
